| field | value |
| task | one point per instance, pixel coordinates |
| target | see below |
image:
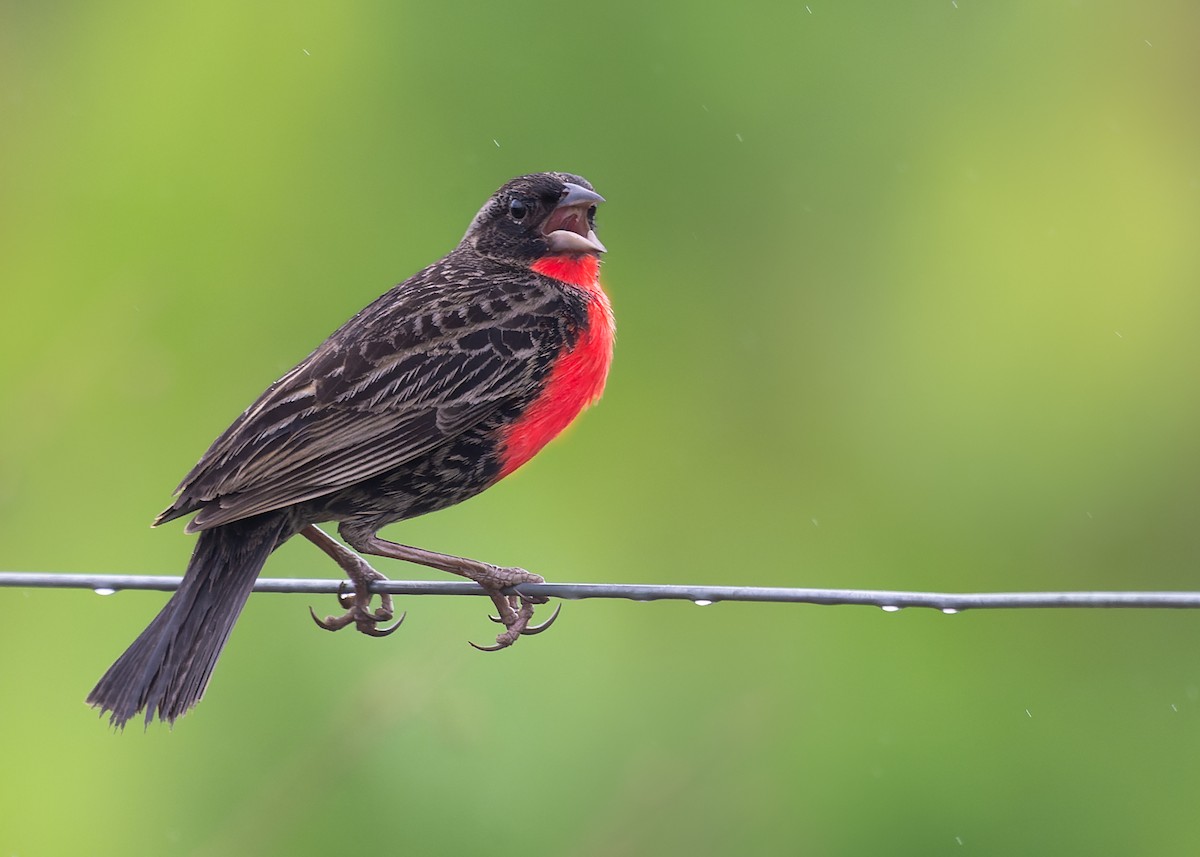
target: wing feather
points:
(420, 365)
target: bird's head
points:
(537, 216)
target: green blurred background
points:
(907, 298)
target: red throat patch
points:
(578, 269)
(578, 376)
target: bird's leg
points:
(515, 611)
(358, 605)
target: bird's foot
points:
(358, 608)
(516, 611)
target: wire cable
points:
(890, 600)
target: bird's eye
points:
(518, 209)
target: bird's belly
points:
(449, 474)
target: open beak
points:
(568, 229)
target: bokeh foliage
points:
(907, 298)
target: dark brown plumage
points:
(426, 397)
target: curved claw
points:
(537, 629)
(494, 648)
(344, 596)
(375, 631)
(321, 623)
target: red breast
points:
(579, 372)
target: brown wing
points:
(418, 366)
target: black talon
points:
(375, 631)
(327, 624)
(494, 648)
(537, 629)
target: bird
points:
(434, 392)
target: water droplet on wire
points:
(104, 590)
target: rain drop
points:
(890, 608)
(104, 590)
(949, 611)
(701, 602)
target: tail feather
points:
(167, 667)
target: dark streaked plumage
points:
(461, 341)
(405, 409)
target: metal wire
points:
(947, 602)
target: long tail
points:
(166, 669)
